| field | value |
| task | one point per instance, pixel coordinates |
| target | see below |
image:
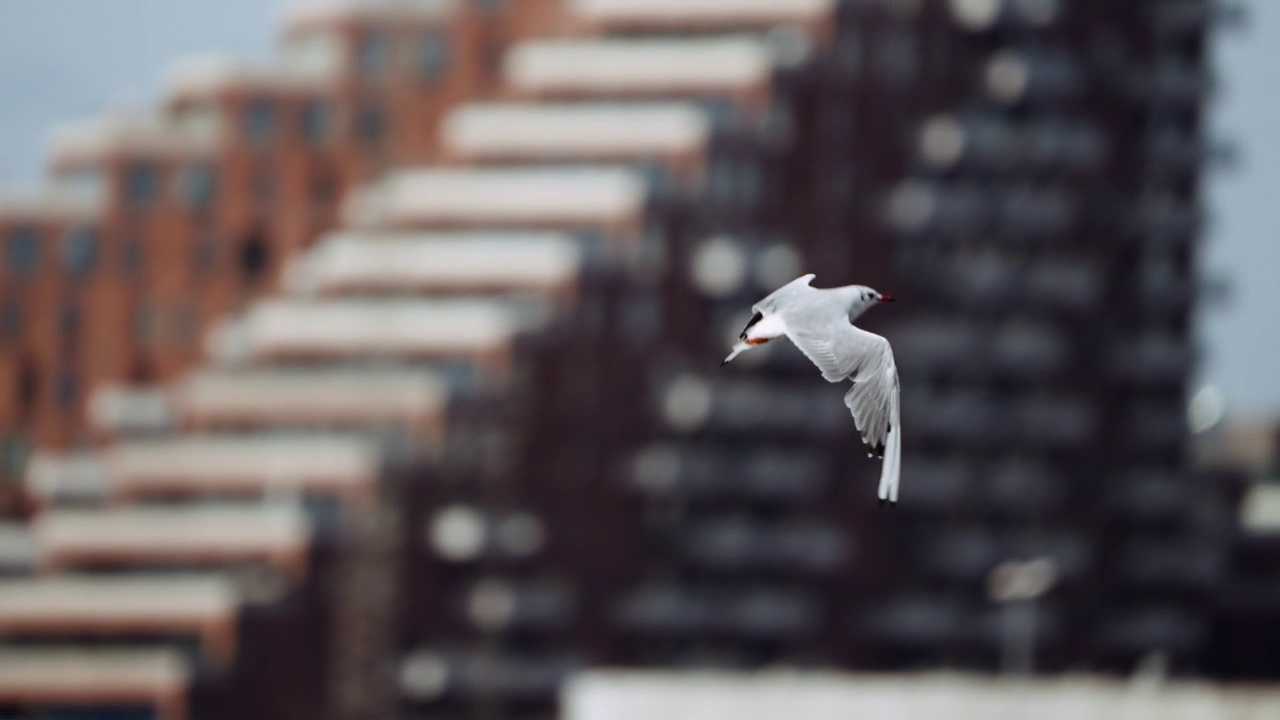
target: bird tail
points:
(738, 348)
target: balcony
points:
(916, 621)
(577, 131)
(1024, 488)
(1153, 495)
(938, 485)
(1152, 359)
(735, 65)
(698, 14)
(278, 536)
(597, 197)
(345, 263)
(1057, 422)
(429, 675)
(760, 614)
(322, 398)
(745, 546)
(1135, 632)
(992, 143)
(119, 410)
(770, 475)
(499, 606)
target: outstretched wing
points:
(784, 295)
(841, 351)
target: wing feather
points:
(781, 297)
(842, 351)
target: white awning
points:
(700, 12)
(116, 600)
(149, 134)
(343, 328)
(639, 66)
(124, 409)
(310, 397)
(562, 131)
(212, 73)
(540, 196)
(459, 262)
(279, 534)
(74, 476)
(50, 203)
(110, 677)
(239, 465)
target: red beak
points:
(886, 298)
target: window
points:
(254, 258)
(13, 455)
(67, 390)
(10, 322)
(142, 184)
(80, 249)
(373, 53)
(199, 183)
(372, 124)
(315, 121)
(896, 58)
(23, 252)
(433, 54)
(259, 120)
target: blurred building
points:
(416, 330)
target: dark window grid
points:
(375, 52)
(199, 186)
(259, 120)
(432, 54)
(67, 389)
(22, 251)
(315, 121)
(80, 249)
(142, 184)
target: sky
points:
(63, 59)
(1241, 337)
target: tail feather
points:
(738, 349)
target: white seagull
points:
(819, 322)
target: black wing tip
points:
(890, 504)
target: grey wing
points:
(784, 295)
(841, 351)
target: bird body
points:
(818, 321)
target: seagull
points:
(819, 321)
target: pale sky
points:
(62, 59)
(1241, 339)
